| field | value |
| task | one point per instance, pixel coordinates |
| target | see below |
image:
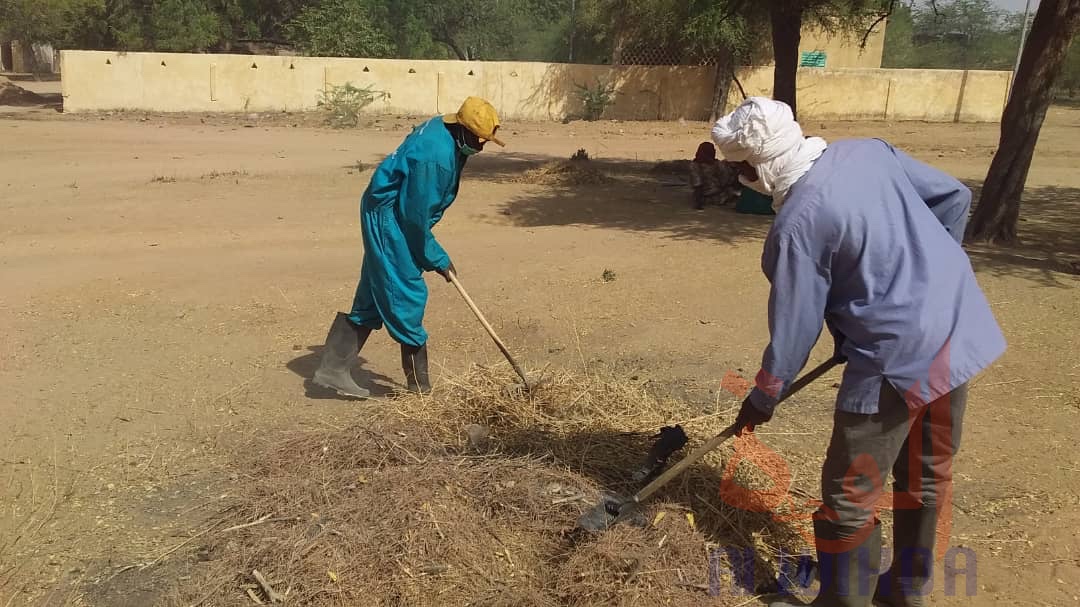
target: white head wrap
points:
(763, 132)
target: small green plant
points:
(580, 156)
(163, 179)
(608, 275)
(596, 99)
(344, 103)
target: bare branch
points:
(735, 77)
(877, 22)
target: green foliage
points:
(258, 19)
(343, 104)
(1069, 82)
(714, 29)
(341, 28)
(596, 99)
(689, 31)
(899, 47)
(482, 29)
(183, 26)
(172, 25)
(430, 29)
(963, 34)
(50, 21)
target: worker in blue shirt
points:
(867, 241)
(407, 196)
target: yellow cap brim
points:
(453, 119)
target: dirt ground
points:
(168, 280)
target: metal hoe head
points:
(612, 510)
(667, 441)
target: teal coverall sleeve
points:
(421, 203)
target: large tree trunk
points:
(786, 18)
(725, 69)
(448, 39)
(1055, 24)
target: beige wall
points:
(884, 94)
(843, 50)
(168, 82)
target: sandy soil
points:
(166, 281)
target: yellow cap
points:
(479, 117)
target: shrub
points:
(344, 103)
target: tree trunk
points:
(619, 31)
(448, 40)
(725, 68)
(996, 216)
(617, 49)
(786, 18)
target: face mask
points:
(466, 150)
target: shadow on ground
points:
(641, 196)
(651, 197)
(1049, 233)
(305, 365)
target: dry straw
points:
(470, 496)
(566, 173)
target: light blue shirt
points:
(868, 241)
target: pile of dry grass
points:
(12, 94)
(409, 510)
(573, 172)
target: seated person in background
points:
(713, 181)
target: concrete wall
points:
(843, 50)
(886, 94)
(169, 82)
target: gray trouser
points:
(917, 446)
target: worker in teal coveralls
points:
(407, 196)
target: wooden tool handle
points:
(685, 463)
(487, 326)
(719, 439)
(810, 377)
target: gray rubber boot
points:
(905, 583)
(414, 361)
(343, 343)
(847, 578)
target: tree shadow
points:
(1049, 239)
(655, 197)
(639, 196)
(641, 93)
(305, 365)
